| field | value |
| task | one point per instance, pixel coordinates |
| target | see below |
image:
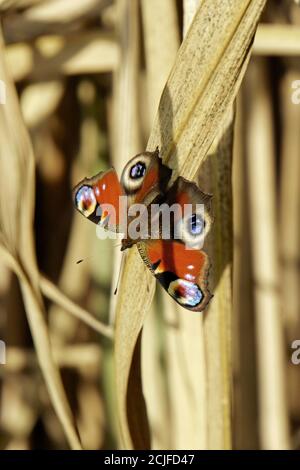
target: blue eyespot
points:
(185, 292)
(196, 224)
(137, 170)
(86, 201)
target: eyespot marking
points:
(138, 170)
(185, 292)
(86, 201)
(195, 224)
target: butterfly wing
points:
(182, 273)
(99, 199)
(145, 177)
(192, 219)
(179, 264)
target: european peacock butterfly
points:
(176, 260)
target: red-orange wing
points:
(182, 273)
(99, 199)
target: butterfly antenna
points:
(120, 272)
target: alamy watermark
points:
(157, 221)
(186, 222)
(2, 92)
(296, 93)
(295, 358)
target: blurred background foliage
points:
(82, 79)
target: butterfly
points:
(176, 261)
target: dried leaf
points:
(17, 172)
(195, 103)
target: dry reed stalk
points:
(245, 432)
(87, 52)
(35, 110)
(215, 178)
(51, 291)
(19, 416)
(273, 421)
(277, 39)
(126, 127)
(55, 16)
(289, 232)
(155, 391)
(194, 105)
(126, 138)
(79, 356)
(185, 358)
(289, 207)
(17, 243)
(160, 25)
(189, 9)
(91, 419)
(14, 4)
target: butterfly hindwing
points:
(193, 220)
(182, 273)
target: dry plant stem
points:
(290, 208)
(274, 432)
(189, 9)
(244, 403)
(289, 231)
(126, 128)
(10, 4)
(277, 39)
(215, 178)
(17, 168)
(51, 16)
(185, 357)
(51, 291)
(160, 26)
(86, 52)
(195, 103)
(44, 354)
(127, 143)
(80, 356)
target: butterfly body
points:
(177, 261)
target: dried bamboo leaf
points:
(185, 357)
(160, 25)
(189, 9)
(17, 241)
(201, 89)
